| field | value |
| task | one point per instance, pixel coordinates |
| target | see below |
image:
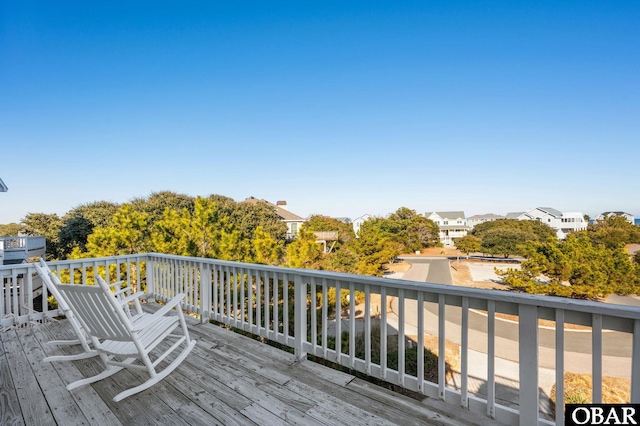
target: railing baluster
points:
(314, 316)
(285, 298)
(383, 333)
(325, 306)
(352, 326)
(442, 372)
(338, 321)
(367, 328)
(420, 373)
(300, 316)
(596, 358)
(464, 354)
(276, 303)
(401, 338)
(635, 363)
(528, 358)
(266, 299)
(491, 359)
(559, 367)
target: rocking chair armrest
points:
(133, 297)
(114, 284)
(142, 323)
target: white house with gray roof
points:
(452, 225)
(357, 222)
(477, 219)
(628, 216)
(562, 222)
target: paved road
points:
(577, 342)
(428, 270)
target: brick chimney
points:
(282, 204)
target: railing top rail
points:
(566, 304)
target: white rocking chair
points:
(114, 335)
(124, 295)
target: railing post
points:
(635, 364)
(205, 292)
(300, 316)
(528, 356)
(151, 291)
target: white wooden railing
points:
(21, 248)
(290, 306)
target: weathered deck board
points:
(10, 413)
(228, 379)
(33, 404)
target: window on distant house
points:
(446, 222)
(294, 228)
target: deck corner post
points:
(151, 290)
(205, 292)
(300, 316)
(528, 360)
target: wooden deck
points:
(228, 379)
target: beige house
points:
(293, 221)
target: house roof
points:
(362, 218)
(284, 214)
(343, 219)
(549, 211)
(3, 187)
(448, 215)
(616, 213)
(485, 216)
(514, 215)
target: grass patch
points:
(577, 390)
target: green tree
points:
(304, 252)
(505, 241)
(204, 233)
(468, 244)
(10, 230)
(575, 268)
(47, 225)
(129, 233)
(79, 223)
(157, 202)
(541, 230)
(374, 247)
(247, 217)
(614, 231)
(267, 250)
(411, 230)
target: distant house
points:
(343, 219)
(293, 221)
(563, 223)
(628, 216)
(3, 187)
(482, 218)
(357, 223)
(452, 225)
(516, 215)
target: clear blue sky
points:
(339, 108)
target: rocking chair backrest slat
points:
(44, 272)
(99, 311)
